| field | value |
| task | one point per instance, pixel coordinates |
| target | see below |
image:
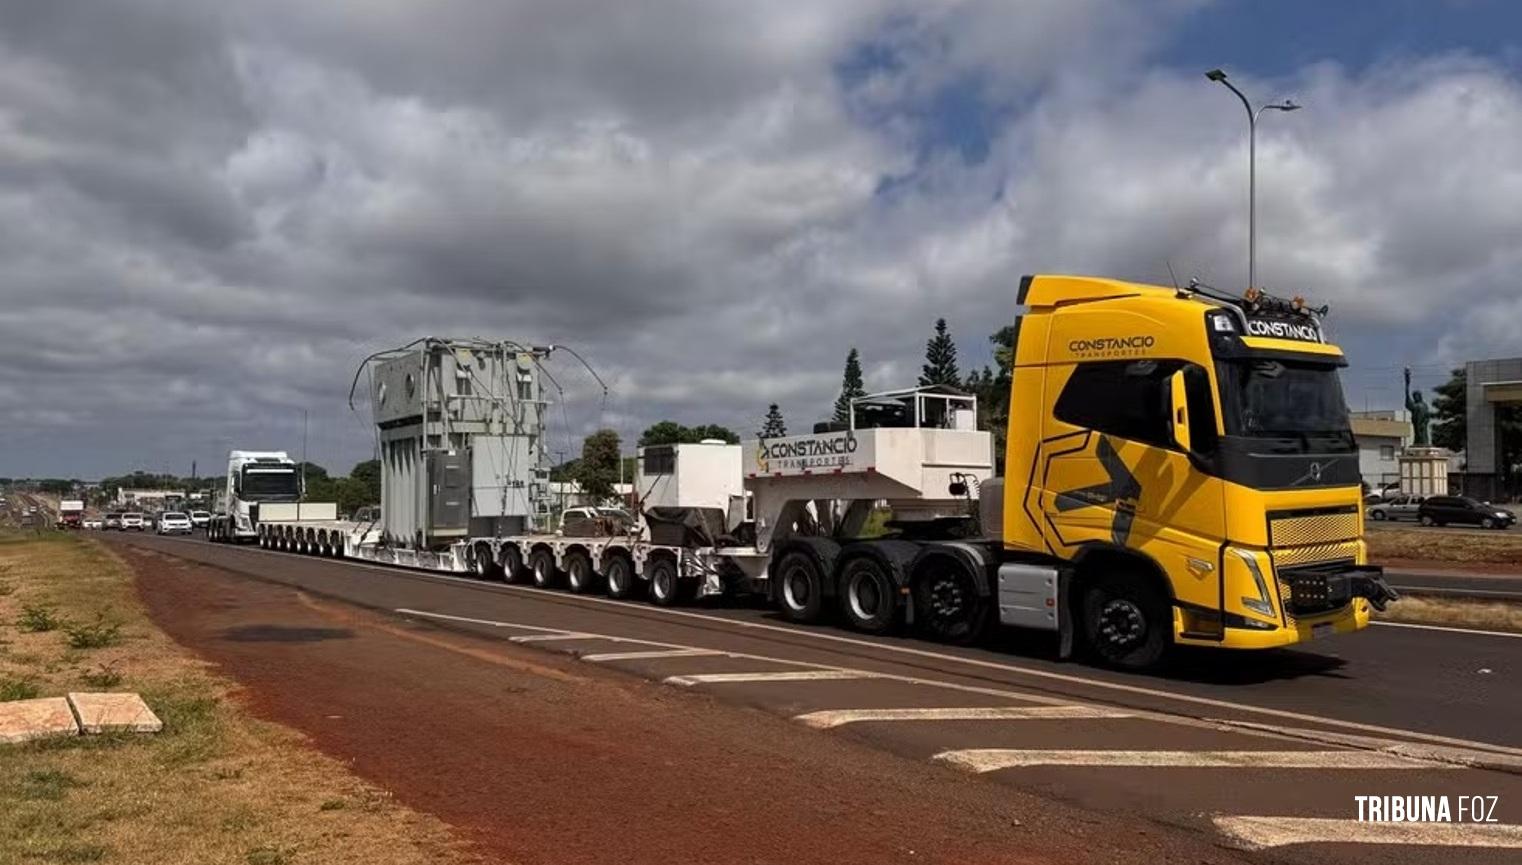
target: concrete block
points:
(21, 720)
(111, 713)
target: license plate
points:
(1322, 630)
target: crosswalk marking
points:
(824, 720)
(1257, 833)
(993, 759)
(545, 638)
(773, 676)
(651, 654)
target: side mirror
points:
(1178, 412)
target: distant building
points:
(1380, 436)
(142, 497)
(1491, 383)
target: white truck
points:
(71, 513)
(263, 486)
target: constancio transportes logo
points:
(1112, 346)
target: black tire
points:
(947, 605)
(1487, 523)
(1379, 516)
(867, 595)
(542, 563)
(1127, 623)
(579, 576)
(619, 573)
(482, 565)
(1426, 520)
(665, 585)
(800, 587)
(511, 562)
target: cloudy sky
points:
(210, 212)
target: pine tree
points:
(772, 427)
(1450, 412)
(850, 387)
(940, 359)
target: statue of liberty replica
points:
(1421, 414)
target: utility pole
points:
(1219, 77)
(303, 453)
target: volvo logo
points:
(1315, 473)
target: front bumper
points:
(1315, 602)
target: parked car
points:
(1463, 510)
(1395, 508)
(93, 524)
(199, 519)
(174, 523)
(113, 521)
(135, 522)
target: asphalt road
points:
(1264, 750)
(1457, 584)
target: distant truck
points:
(71, 513)
(261, 486)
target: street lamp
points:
(1219, 77)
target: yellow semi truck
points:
(1185, 459)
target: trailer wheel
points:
(511, 562)
(578, 572)
(1126, 622)
(868, 598)
(542, 562)
(482, 565)
(620, 575)
(665, 586)
(800, 587)
(947, 606)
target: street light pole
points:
(1219, 77)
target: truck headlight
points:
(1263, 604)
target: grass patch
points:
(94, 635)
(1458, 546)
(36, 619)
(216, 786)
(7, 589)
(18, 689)
(1455, 612)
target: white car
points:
(133, 522)
(1395, 507)
(93, 524)
(199, 519)
(174, 523)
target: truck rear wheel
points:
(482, 565)
(800, 587)
(511, 560)
(868, 598)
(665, 585)
(620, 575)
(1126, 622)
(947, 605)
(579, 575)
(542, 563)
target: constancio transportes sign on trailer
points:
(812, 453)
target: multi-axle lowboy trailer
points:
(791, 495)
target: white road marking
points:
(565, 635)
(407, 611)
(993, 759)
(649, 655)
(1257, 833)
(826, 719)
(772, 676)
(1301, 717)
(1448, 629)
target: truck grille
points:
(1342, 551)
(1312, 526)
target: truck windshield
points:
(270, 485)
(1300, 404)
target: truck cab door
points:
(1113, 473)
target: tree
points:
(597, 470)
(850, 387)
(940, 359)
(773, 426)
(368, 475)
(669, 432)
(1450, 412)
(991, 386)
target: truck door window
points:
(1125, 398)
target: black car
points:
(1442, 510)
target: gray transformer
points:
(460, 425)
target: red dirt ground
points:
(537, 759)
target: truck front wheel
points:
(1126, 622)
(868, 598)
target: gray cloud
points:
(211, 214)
